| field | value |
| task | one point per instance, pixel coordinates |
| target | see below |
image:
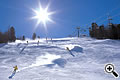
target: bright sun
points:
(42, 15)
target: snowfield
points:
(52, 61)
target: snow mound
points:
(77, 49)
(60, 62)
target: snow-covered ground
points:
(52, 61)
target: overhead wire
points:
(98, 18)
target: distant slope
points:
(51, 61)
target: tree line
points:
(8, 36)
(112, 31)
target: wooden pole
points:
(78, 28)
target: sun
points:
(42, 15)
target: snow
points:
(52, 61)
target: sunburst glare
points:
(42, 15)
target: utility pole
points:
(52, 40)
(46, 40)
(78, 28)
(109, 20)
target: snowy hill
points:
(52, 61)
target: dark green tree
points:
(34, 36)
(114, 32)
(118, 31)
(23, 37)
(11, 34)
(38, 37)
(1, 37)
(101, 32)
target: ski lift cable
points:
(107, 13)
(111, 17)
(75, 33)
(115, 15)
(103, 16)
(102, 21)
(107, 18)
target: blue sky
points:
(69, 14)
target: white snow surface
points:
(52, 61)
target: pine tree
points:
(118, 31)
(23, 38)
(34, 36)
(11, 33)
(114, 32)
(38, 37)
(5, 37)
(101, 32)
(1, 37)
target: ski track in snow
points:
(47, 61)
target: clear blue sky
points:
(69, 14)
